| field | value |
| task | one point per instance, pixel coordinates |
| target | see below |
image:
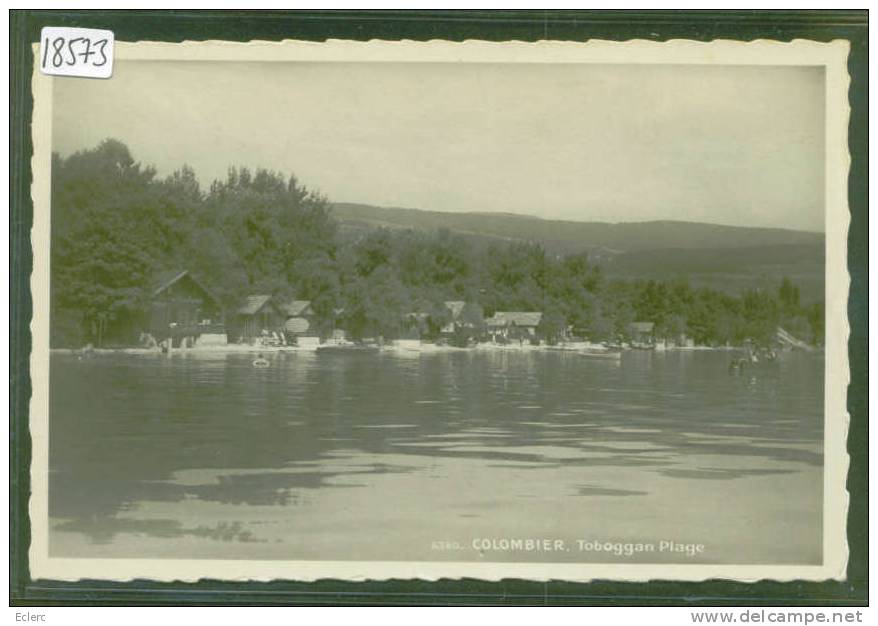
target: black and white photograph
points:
(421, 309)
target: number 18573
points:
(76, 52)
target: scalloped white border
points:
(831, 55)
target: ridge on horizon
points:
(720, 256)
(525, 216)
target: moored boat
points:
(346, 347)
(601, 354)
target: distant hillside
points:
(568, 236)
(728, 258)
(729, 269)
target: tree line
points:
(116, 225)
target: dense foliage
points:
(116, 226)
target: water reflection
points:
(216, 445)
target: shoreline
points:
(424, 348)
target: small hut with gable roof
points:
(513, 325)
(641, 333)
(298, 318)
(183, 310)
(258, 317)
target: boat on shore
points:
(601, 354)
(346, 347)
(637, 345)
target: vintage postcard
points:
(370, 310)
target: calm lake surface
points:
(436, 456)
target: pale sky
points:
(618, 143)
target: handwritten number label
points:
(85, 52)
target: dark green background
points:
(423, 25)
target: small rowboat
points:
(608, 354)
(351, 347)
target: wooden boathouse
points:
(183, 310)
(506, 325)
(259, 316)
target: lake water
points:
(437, 457)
